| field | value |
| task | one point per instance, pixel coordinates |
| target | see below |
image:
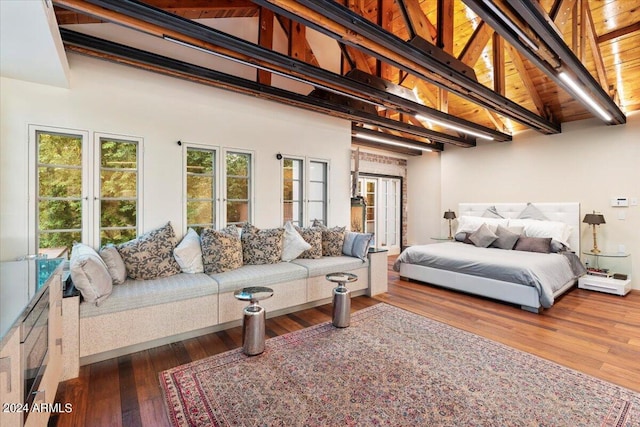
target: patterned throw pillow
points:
(261, 246)
(151, 255)
(332, 241)
(221, 249)
(312, 236)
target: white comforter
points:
(546, 272)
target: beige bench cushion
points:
(333, 264)
(258, 275)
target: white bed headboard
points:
(569, 213)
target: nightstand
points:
(606, 264)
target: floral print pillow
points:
(151, 255)
(221, 249)
(332, 241)
(261, 246)
(312, 236)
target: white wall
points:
(588, 163)
(423, 198)
(106, 97)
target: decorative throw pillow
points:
(491, 212)
(356, 244)
(463, 237)
(261, 246)
(151, 255)
(506, 238)
(532, 212)
(313, 236)
(115, 264)
(332, 241)
(188, 253)
(483, 237)
(294, 244)
(221, 249)
(533, 244)
(318, 223)
(89, 274)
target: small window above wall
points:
(305, 190)
(292, 194)
(318, 190)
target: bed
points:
(529, 279)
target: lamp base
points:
(595, 251)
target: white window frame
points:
(97, 137)
(306, 175)
(32, 179)
(327, 202)
(303, 187)
(252, 187)
(218, 188)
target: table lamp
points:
(594, 219)
(450, 216)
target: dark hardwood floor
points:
(595, 333)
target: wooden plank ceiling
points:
(603, 35)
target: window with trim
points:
(201, 184)
(318, 190)
(238, 195)
(83, 199)
(292, 194)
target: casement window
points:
(305, 190)
(292, 193)
(201, 182)
(238, 187)
(83, 191)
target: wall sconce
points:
(594, 219)
(450, 216)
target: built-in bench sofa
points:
(141, 314)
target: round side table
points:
(341, 298)
(253, 321)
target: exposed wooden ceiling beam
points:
(619, 32)
(416, 21)
(498, 64)
(162, 24)
(385, 21)
(595, 48)
(518, 62)
(265, 39)
(285, 24)
(106, 50)
(476, 44)
(340, 23)
(445, 42)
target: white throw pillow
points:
(89, 274)
(534, 228)
(293, 244)
(188, 253)
(469, 224)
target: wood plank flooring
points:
(595, 333)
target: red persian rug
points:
(390, 367)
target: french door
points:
(383, 217)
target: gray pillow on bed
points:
(532, 212)
(491, 212)
(533, 244)
(483, 237)
(506, 238)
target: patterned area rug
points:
(390, 367)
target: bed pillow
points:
(491, 212)
(89, 274)
(533, 244)
(532, 212)
(294, 244)
(151, 255)
(469, 224)
(483, 237)
(313, 236)
(188, 253)
(115, 265)
(261, 246)
(535, 228)
(506, 238)
(356, 244)
(221, 249)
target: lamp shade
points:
(594, 219)
(451, 215)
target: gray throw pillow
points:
(221, 249)
(506, 238)
(491, 212)
(533, 244)
(356, 244)
(151, 255)
(531, 212)
(261, 246)
(483, 237)
(115, 264)
(89, 274)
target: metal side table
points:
(253, 321)
(341, 298)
